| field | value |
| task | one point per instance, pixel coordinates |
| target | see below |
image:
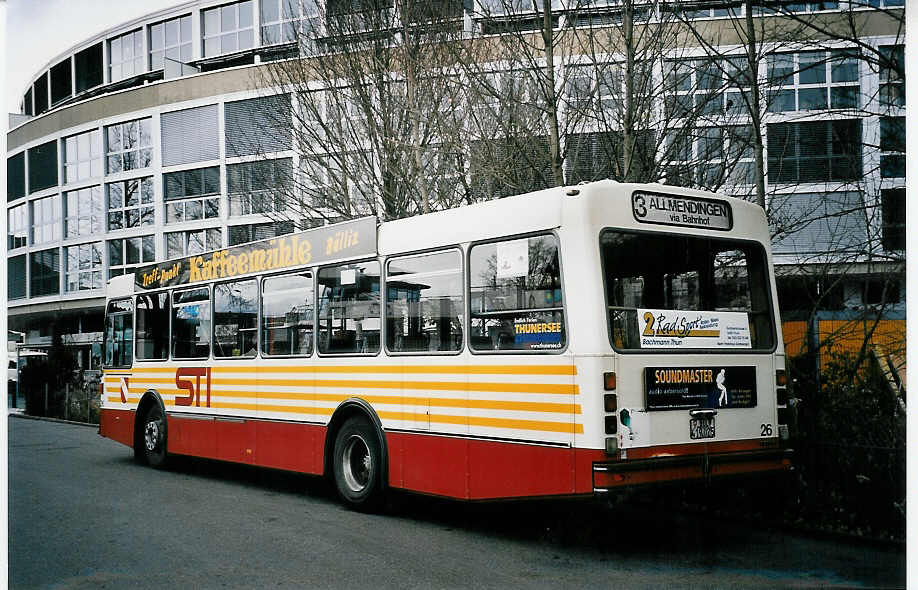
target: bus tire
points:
(357, 464)
(153, 437)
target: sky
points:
(37, 31)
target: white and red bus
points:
(560, 343)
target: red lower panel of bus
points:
(478, 469)
(451, 466)
(117, 425)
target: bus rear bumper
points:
(608, 476)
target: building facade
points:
(148, 142)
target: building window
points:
(892, 144)
(190, 135)
(818, 223)
(83, 156)
(27, 103)
(125, 56)
(594, 156)
(61, 82)
(41, 94)
(17, 226)
(16, 277)
(706, 88)
(88, 65)
(46, 220)
(253, 232)
(170, 39)
(718, 12)
(815, 151)
(505, 166)
(45, 272)
(258, 187)
(15, 176)
(280, 21)
(259, 125)
(711, 157)
(125, 254)
(892, 76)
(813, 80)
(228, 28)
(85, 212)
(892, 201)
(192, 194)
(128, 146)
(184, 243)
(130, 203)
(84, 267)
(43, 166)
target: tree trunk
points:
(628, 138)
(551, 97)
(755, 109)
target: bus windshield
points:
(674, 291)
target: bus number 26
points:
(183, 380)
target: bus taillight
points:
(608, 381)
(781, 378)
(610, 402)
(781, 389)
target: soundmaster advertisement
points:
(673, 388)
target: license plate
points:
(701, 427)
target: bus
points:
(565, 342)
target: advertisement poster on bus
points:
(314, 246)
(669, 328)
(673, 388)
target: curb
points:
(46, 419)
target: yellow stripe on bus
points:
(504, 423)
(468, 404)
(550, 388)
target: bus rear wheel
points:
(357, 463)
(153, 437)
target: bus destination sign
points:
(681, 210)
(314, 246)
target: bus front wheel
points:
(357, 462)
(154, 437)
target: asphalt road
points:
(84, 515)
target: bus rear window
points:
(672, 291)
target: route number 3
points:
(766, 429)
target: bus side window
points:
(153, 326)
(516, 296)
(287, 315)
(191, 324)
(119, 333)
(424, 304)
(236, 319)
(348, 308)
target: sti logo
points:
(183, 380)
